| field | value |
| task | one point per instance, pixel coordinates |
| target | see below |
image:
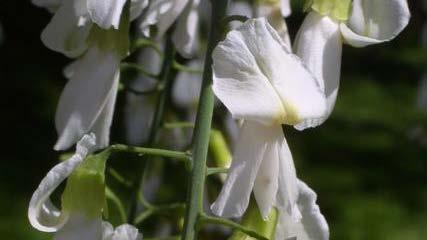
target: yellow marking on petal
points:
(336, 9)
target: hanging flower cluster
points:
(260, 80)
(259, 77)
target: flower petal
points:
(374, 22)
(185, 35)
(41, 212)
(266, 182)
(136, 8)
(106, 13)
(319, 45)
(288, 190)
(312, 226)
(285, 8)
(126, 232)
(163, 14)
(86, 96)
(67, 32)
(250, 152)
(79, 227)
(239, 81)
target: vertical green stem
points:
(203, 127)
(165, 83)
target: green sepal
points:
(336, 9)
(113, 39)
(219, 149)
(253, 220)
(85, 189)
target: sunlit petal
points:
(106, 13)
(319, 45)
(43, 215)
(79, 227)
(376, 21)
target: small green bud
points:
(85, 189)
(219, 149)
(253, 220)
(113, 39)
(336, 9)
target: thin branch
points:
(125, 66)
(173, 125)
(178, 66)
(116, 200)
(225, 222)
(182, 156)
(211, 171)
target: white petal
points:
(266, 182)
(185, 35)
(41, 212)
(288, 189)
(238, 80)
(79, 227)
(285, 7)
(376, 21)
(163, 14)
(51, 5)
(66, 33)
(186, 89)
(312, 226)
(85, 97)
(126, 232)
(239, 8)
(107, 230)
(106, 13)
(250, 152)
(319, 45)
(257, 78)
(136, 8)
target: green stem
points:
(178, 66)
(218, 170)
(173, 125)
(182, 156)
(165, 209)
(203, 127)
(125, 66)
(225, 222)
(165, 84)
(116, 200)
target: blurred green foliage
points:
(368, 162)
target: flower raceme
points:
(163, 13)
(81, 214)
(359, 23)
(87, 102)
(260, 81)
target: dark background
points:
(368, 163)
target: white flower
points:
(259, 80)
(44, 216)
(122, 232)
(319, 40)
(312, 225)
(163, 13)
(87, 102)
(69, 28)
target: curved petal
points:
(239, 81)
(253, 142)
(312, 226)
(266, 182)
(80, 227)
(319, 45)
(41, 212)
(106, 13)
(68, 31)
(186, 89)
(288, 189)
(163, 14)
(86, 96)
(374, 22)
(185, 35)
